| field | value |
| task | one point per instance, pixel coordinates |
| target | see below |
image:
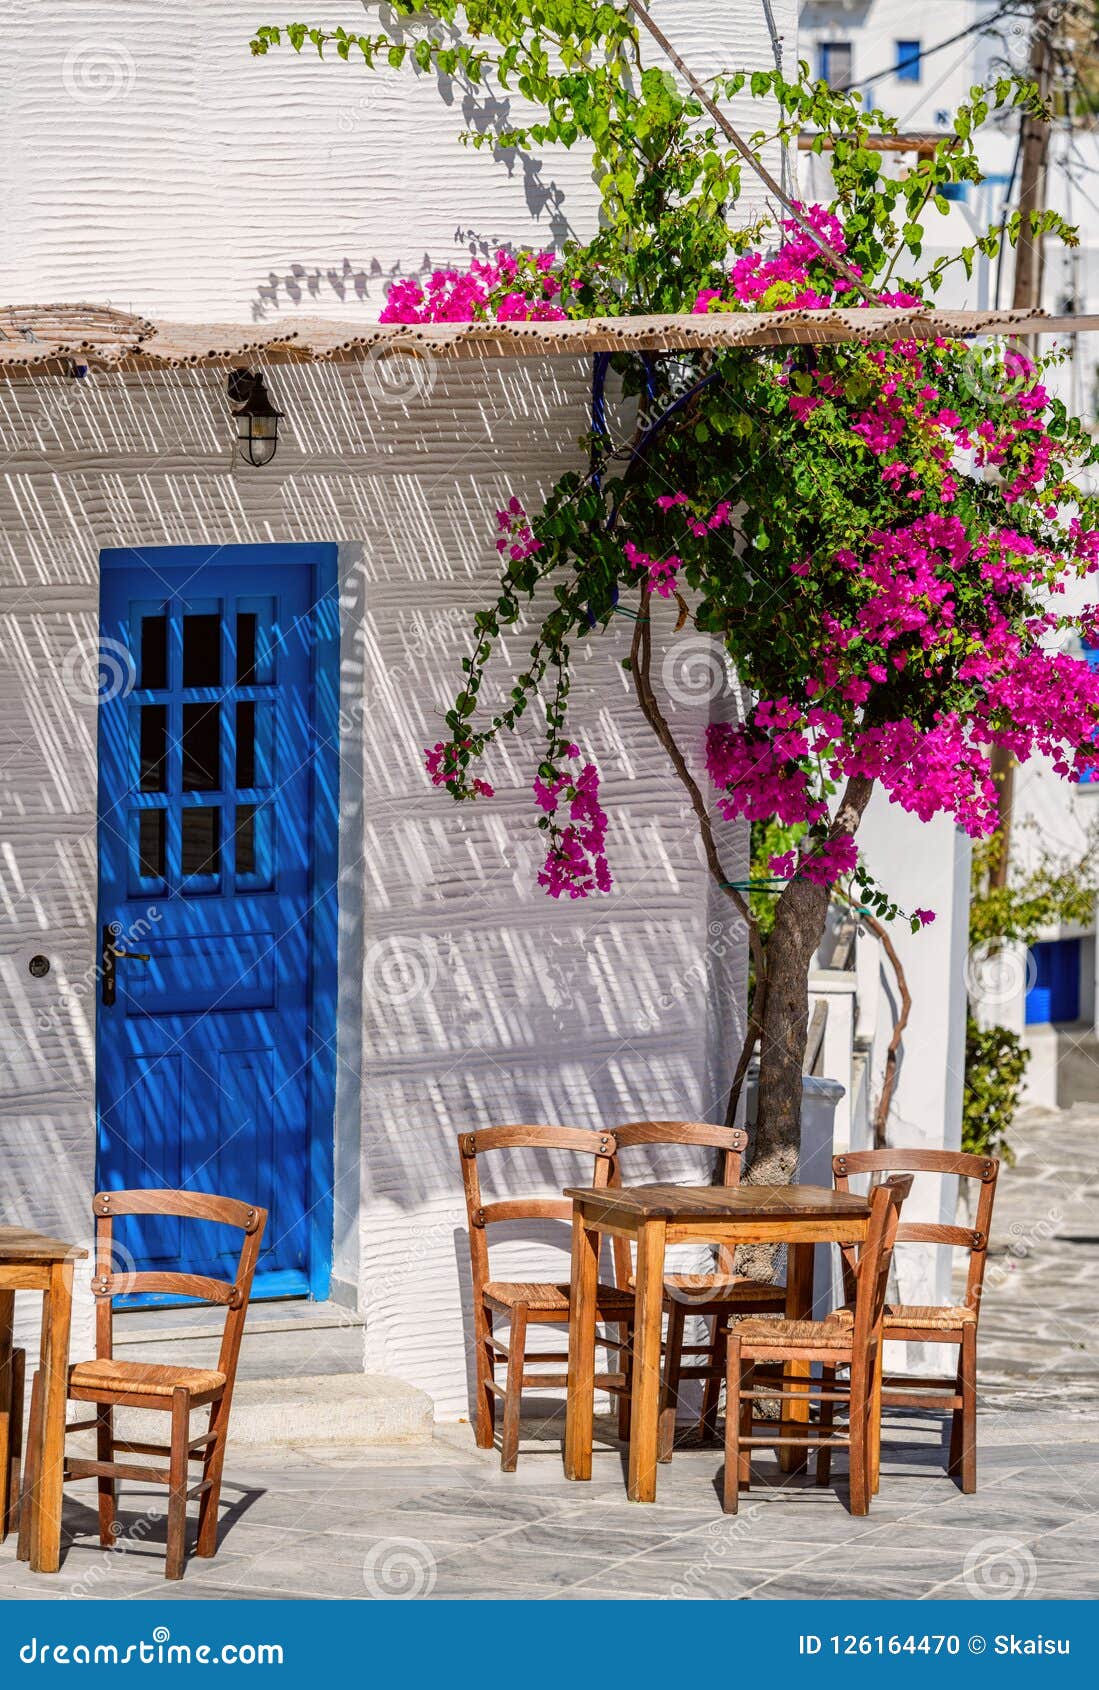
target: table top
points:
(19, 1245)
(720, 1202)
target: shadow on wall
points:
(362, 281)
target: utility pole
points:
(1033, 160)
(1026, 295)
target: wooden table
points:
(29, 1262)
(799, 1216)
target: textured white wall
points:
(149, 162)
(481, 999)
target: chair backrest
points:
(482, 1215)
(188, 1205)
(983, 1169)
(872, 1272)
(731, 1141)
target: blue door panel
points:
(217, 842)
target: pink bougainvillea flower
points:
(509, 287)
(576, 863)
(661, 571)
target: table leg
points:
(873, 1443)
(799, 1306)
(46, 1511)
(645, 1396)
(7, 1315)
(580, 1407)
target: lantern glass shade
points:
(255, 417)
(258, 437)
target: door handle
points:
(109, 960)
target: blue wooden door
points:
(217, 847)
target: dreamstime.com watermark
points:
(722, 1537)
(155, 1651)
(999, 1568)
(399, 1569)
(57, 1014)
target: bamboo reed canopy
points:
(51, 339)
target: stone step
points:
(343, 1408)
(358, 1409)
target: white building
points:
(152, 166)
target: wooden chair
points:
(13, 1365)
(950, 1324)
(173, 1390)
(714, 1296)
(528, 1303)
(847, 1338)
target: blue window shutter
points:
(1055, 994)
(907, 67)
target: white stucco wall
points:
(149, 161)
(192, 182)
(481, 999)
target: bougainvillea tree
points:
(879, 534)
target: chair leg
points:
(485, 1417)
(517, 1343)
(874, 1436)
(826, 1423)
(669, 1390)
(177, 1483)
(30, 1470)
(963, 1431)
(711, 1390)
(859, 1433)
(730, 1496)
(745, 1414)
(207, 1541)
(104, 1450)
(625, 1339)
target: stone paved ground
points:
(442, 1520)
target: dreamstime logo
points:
(95, 73)
(692, 1289)
(689, 983)
(695, 670)
(997, 375)
(1000, 1569)
(97, 670)
(397, 375)
(1018, 36)
(400, 969)
(125, 1539)
(427, 636)
(722, 1537)
(997, 974)
(59, 1011)
(399, 1569)
(1024, 1240)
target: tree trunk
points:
(791, 946)
(799, 926)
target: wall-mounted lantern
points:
(256, 418)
